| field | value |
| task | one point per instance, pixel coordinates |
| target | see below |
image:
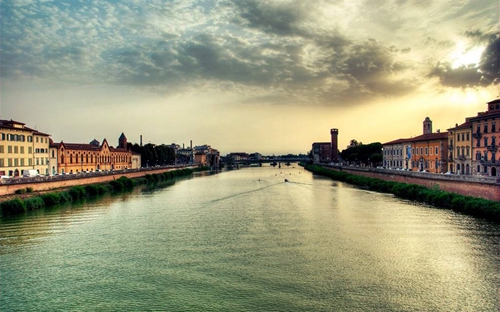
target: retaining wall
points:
(51, 183)
(482, 187)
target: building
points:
(485, 134)
(334, 135)
(205, 155)
(429, 150)
(22, 148)
(322, 152)
(81, 157)
(460, 148)
(397, 154)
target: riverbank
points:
(469, 205)
(26, 200)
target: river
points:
(246, 240)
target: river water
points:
(245, 240)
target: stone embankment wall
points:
(41, 184)
(482, 187)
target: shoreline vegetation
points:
(79, 192)
(477, 207)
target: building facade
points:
(397, 154)
(22, 148)
(80, 157)
(321, 152)
(485, 139)
(460, 148)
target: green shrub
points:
(29, 190)
(116, 185)
(13, 206)
(51, 199)
(34, 203)
(77, 192)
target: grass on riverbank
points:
(473, 206)
(18, 205)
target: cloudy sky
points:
(270, 76)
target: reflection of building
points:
(460, 148)
(485, 126)
(78, 157)
(22, 148)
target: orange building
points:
(429, 150)
(80, 157)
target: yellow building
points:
(460, 148)
(22, 148)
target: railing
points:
(477, 135)
(461, 157)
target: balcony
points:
(492, 147)
(490, 162)
(461, 157)
(450, 146)
(477, 135)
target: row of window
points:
(484, 156)
(486, 140)
(21, 138)
(92, 159)
(424, 151)
(485, 128)
(465, 136)
(15, 149)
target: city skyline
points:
(246, 76)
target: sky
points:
(268, 76)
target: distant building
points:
(22, 148)
(485, 128)
(205, 155)
(322, 152)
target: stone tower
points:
(122, 141)
(335, 145)
(427, 125)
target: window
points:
(421, 151)
(2, 149)
(22, 162)
(9, 149)
(458, 151)
(463, 136)
(9, 162)
(458, 137)
(22, 149)
(468, 151)
(431, 150)
(30, 150)
(485, 128)
(36, 139)
(30, 161)
(2, 162)
(437, 151)
(30, 138)
(16, 149)
(485, 142)
(3, 136)
(493, 127)
(468, 137)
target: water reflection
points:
(247, 241)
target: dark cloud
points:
(269, 17)
(485, 73)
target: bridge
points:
(271, 161)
